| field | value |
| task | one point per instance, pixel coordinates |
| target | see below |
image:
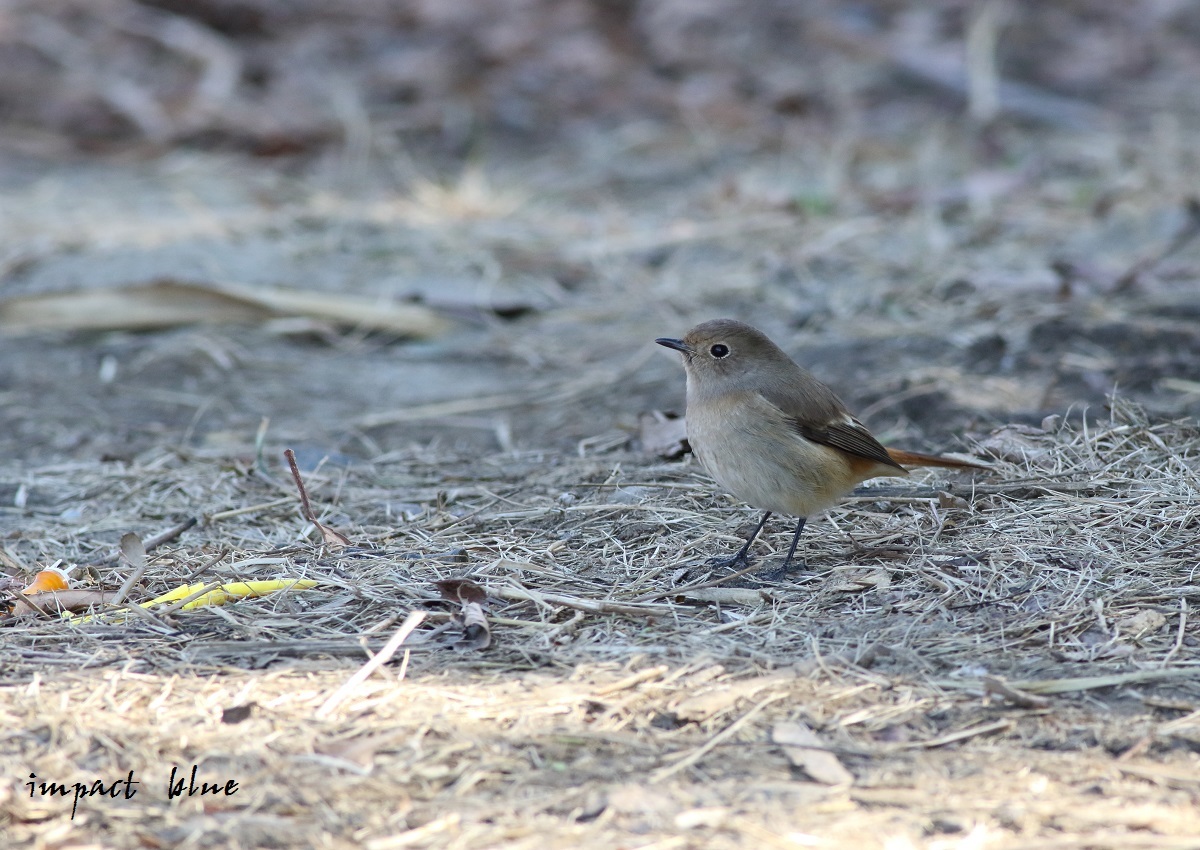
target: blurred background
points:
(450, 225)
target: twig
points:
(590, 606)
(249, 509)
(378, 660)
(1001, 688)
(150, 543)
(1087, 683)
(203, 568)
(305, 506)
(330, 536)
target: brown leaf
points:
(461, 590)
(476, 634)
(805, 750)
(57, 601)
(133, 550)
(663, 434)
(331, 536)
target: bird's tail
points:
(919, 459)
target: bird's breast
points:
(752, 449)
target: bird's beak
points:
(677, 344)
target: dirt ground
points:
(1008, 660)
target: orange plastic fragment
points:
(51, 578)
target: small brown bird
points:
(771, 433)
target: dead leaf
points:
(331, 536)
(166, 303)
(949, 501)
(55, 602)
(133, 550)
(805, 750)
(461, 590)
(865, 580)
(663, 434)
(476, 633)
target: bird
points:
(773, 434)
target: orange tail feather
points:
(919, 459)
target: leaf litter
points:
(1032, 630)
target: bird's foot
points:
(735, 562)
(780, 572)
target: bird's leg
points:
(742, 558)
(787, 562)
(778, 573)
(773, 574)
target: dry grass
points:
(617, 707)
(1006, 662)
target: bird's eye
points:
(719, 350)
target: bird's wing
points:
(848, 435)
(816, 413)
